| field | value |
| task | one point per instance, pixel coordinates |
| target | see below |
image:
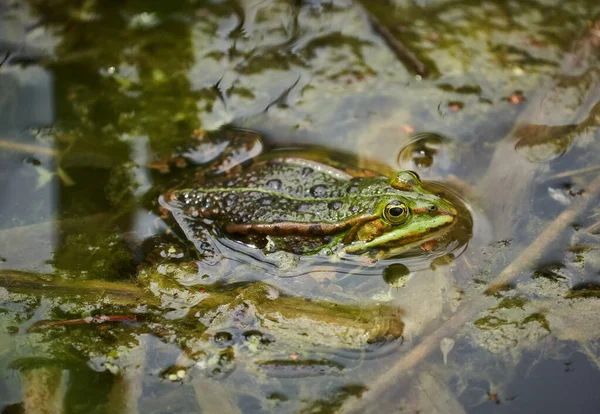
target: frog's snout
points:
(450, 212)
(447, 210)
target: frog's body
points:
(306, 207)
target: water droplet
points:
(335, 205)
(306, 171)
(318, 190)
(353, 188)
(274, 184)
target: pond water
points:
(115, 299)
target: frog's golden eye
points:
(395, 213)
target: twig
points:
(5, 59)
(32, 149)
(471, 308)
(535, 250)
(593, 227)
(402, 52)
(574, 172)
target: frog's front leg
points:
(200, 236)
(222, 151)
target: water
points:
(106, 105)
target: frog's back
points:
(275, 191)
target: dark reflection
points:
(27, 163)
(122, 96)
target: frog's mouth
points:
(412, 233)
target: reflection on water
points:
(27, 172)
(108, 306)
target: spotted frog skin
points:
(306, 207)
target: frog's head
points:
(406, 215)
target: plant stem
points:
(31, 149)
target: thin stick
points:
(402, 52)
(531, 254)
(574, 172)
(593, 227)
(31, 149)
(528, 257)
(4, 59)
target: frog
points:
(286, 201)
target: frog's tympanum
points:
(301, 206)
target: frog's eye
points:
(395, 213)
